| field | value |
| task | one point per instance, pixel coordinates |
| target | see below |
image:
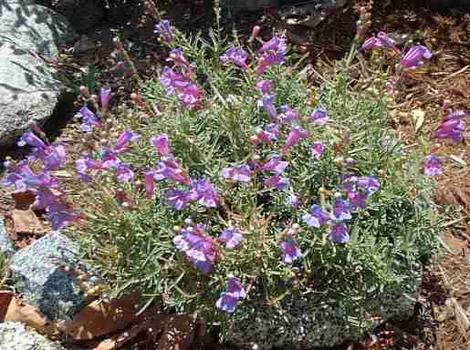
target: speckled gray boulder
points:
(29, 89)
(6, 245)
(306, 321)
(44, 274)
(15, 336)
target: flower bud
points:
(84, 91)
(255, 32)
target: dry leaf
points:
(418, 118)
(26, 222)
(23, 200)
(100, 318)
(18, 311)
(5, 299)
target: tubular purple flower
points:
(317, 217)
(293, 201)
(235, 288)
(271, 53)
(226, 303)
(109, 159)
(319, 116)
(231, 237)
(29, 138)
(161, 144)
(341, 210)
(124, 173)
(89, 119)
(415, 57)
(275, 164)
(123, 141)
(177, 56)
(105, 97)
(317, 149)
(199, 250)
(432, 165)
(339, 233)
(381, 40)
(296, 135)
(268, 104)
(190, 96)
(271, 133)
(169, 80)
(277, 182)
(148, 183)
(205, 193)
(357, 200)
(45, 197)
(169, 169)
(369, 184)
(451, 129)
(287, 114)
(238, 173)
(86, 164)
(290, 250)
(163, 28)
(235, 55)
(178, 199)
(60, 216)
(264, 87)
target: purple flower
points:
(231, 237)
(29, 138)
(227, 303)
(277, 182)
(238, 173)
(369, 184)
(148, 183)
(161, 144)
(457, 114)
(170, 79)
(109, 159)
(296, 135)
(415, 57)
(341, 210)
(382, 40)
(235, 288)
(123, 141)
(357, 200)
(177, 56)
(271, 133)
(451, 129)
(205, 193)
(272, 52)
(177, 199)
(287, 114)
(105, 97)
(319, 116)
(169, 169)
(190, 96)
(264, 87)
(268, 104)
(163, 28)
(293, 201)
(60, 216)
(275, 164)
(317, 217)
(432, 165)
(89, 119)
(45, 197)
(200, 250)
(53, 156)
(236, 55)
(290, 250)
(85, 165)
(339, 233)
(124, 173)
(317, 149)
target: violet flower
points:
(319, 117)
(60, 216)
(339, 233)
(178, 199)
(415, 57)
(148, 183)
(199, 249)
(169, 169)
(357, 199)
(45, 197)
(451, 129)
(85, 165)
(228, 300)
(341, 210)
(124, 173)
(123, 141)
(231, 237)
(235, 288)
(89, 119)
(271, 133)
(190, 96)
(29, 138)
(204, 193)
(381, 40)
(161, 144)
(268, 104)
(177, 56)
(317, 149)
(235, 55)
(264, 87)
(105, 97)
(432, 165)
(163, 28)
(272, 52)
(277, 182)
(275, 164)
(293, 201)
(370, 184)
(296, 135)
(317, 217)
(290, 250)
(238, 173)
(287, 114)
(170, 79)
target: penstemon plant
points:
(251, 186)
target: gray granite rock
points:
(6, 245)
(44, 273)
(15, 336)
(29, 88)
(83, 14)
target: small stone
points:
(45, 274)
(14, 335)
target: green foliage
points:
(390, 239)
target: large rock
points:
(15, 336)
(46, 274)
(29, 89)
(83, 14)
